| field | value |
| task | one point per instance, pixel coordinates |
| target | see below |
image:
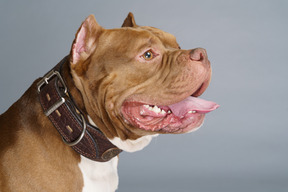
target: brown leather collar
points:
(69, 121)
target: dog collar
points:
(76, 132)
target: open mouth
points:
(180, 117)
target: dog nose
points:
(198, 54)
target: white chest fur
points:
(103, 177)
(132, 145)
(98, 176)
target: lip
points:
(202, 88)
(150, 118)
(163, 118)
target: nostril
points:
(197, 54)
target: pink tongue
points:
(192, 104)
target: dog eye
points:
(148, 55)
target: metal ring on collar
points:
(80, 137)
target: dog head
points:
(137, 81)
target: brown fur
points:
(32, 155)
(104, 71)
(114, 74)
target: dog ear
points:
(129, 21)
(85, 41)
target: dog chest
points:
(99, 176)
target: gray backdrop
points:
(242, 146)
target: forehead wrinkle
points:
(138, 39)
(146, 43)
(144, 39)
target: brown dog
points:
(132, 83)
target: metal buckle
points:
(44, 81)
(73, 143)
(47, 77)
(54, 106)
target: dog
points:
(114, 92)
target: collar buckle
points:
(45, 80)
(76, 132)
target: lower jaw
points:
(185, 129)
(184, 126)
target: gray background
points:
(241, 147)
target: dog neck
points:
(129, 145)
(58, 104)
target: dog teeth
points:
(155, 109)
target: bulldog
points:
(115, 91)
